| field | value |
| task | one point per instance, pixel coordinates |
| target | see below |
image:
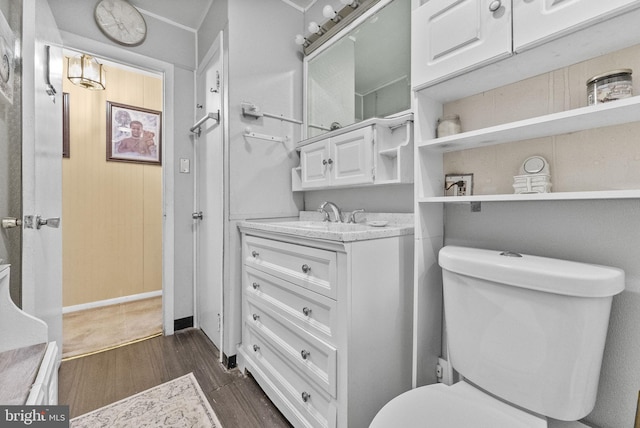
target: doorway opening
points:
(113, 211)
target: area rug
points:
(177, 403)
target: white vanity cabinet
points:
(326, 325)
(342, 160)
(453, 37)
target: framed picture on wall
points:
(134, 134)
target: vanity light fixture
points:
(315, 28)
(331, 14)
(350, 3)
(301, 40)
(87, 72)
(337, 20)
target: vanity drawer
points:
(312, 404)
(308, 267)
(313, 357)
(313, 311)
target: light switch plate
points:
(184, 166)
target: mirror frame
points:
(326, 45)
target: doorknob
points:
(51, 222)
(9, 222)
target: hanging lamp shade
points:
(87, 72)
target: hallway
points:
(98, 329)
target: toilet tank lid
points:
(533, 272)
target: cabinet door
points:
(538, 21)
(352, 158)
(314, 160)
(450, 37)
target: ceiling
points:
(190, 13)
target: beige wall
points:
(578, 161)
(112, 211)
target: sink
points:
(326, 226)
(312, 226)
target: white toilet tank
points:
(530, 330)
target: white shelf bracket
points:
(249, 133)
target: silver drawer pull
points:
(256, 317)
(255, 285)
(495, 5)
(306, 268)
(255, 254)
(306, 396)
(305, 354)
(256, 348)
(306, 311)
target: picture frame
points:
(134, 134)
(65, 126)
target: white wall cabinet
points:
(453, 37)
(538, 21)
(343, 160)
(327, 325)
(375, 151)
(449, 37)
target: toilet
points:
(525, 333)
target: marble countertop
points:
(310, 225)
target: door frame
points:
(124, 57)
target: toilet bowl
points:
(460, 405)
(514, 325)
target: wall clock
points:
(7, 46)
(120, 22)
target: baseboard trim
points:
(182, 323)
(109, 302)
(229, 361)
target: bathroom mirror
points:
(361, 73)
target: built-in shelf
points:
(558, 196)
(614, 113)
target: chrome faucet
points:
(334, 208)
(352, 216)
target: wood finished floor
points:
(90, 382)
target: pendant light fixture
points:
(87, 72)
